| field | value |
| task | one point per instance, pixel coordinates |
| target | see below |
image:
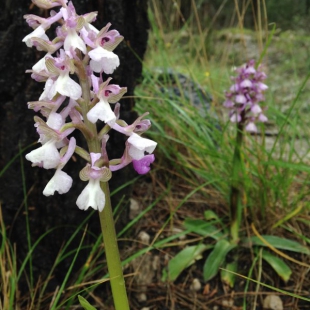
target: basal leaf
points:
(277, 242)
(203, 228)
(279, 266)
(216, 258)
(85, 304)
(184, 259)
(228, 275)
(211, 215)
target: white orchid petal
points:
(109, 65)
(139, 145)
(103, 60)
(40, 65)
(49, 90)
(96, 66)
(55, 121)
(98, 53)
(91, 196)
(67, 87)
(74, 41)
(47, 155)
(135, 153)
(60, 182)
(39, 32)
(102, 111)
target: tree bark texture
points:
(17, 130)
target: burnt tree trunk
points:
(17, 128)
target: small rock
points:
(229, 303)
(144, 237)
(156, 262)
(134, 209)
(142, 297)
(273, 302)
(195, 286)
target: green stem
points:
(112, 253)
(236, 187)
(93, 143)
(106, 216)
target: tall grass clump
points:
(273, 181)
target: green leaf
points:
(85, 304)
(211, 215)
(277, 242)
(228, 275)
(293, 166)
(216, 258)
(203, 228)
(184, 259)
(279, 266)
(286, 293)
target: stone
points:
(273, 302)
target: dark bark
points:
(17, 126)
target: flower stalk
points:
(112, 253)
(243, 102)
(237, 187)
(82, 50)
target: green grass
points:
(276, 175)
(186, 139)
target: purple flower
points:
(244, 96)
(135, 150)
(136, 146)
(142, 166)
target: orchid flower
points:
(75, 97)
(61, 181)
(80, 47)
(102, 57)
(102, 110)
(244, 96)
(60, 68)
(92, 195)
